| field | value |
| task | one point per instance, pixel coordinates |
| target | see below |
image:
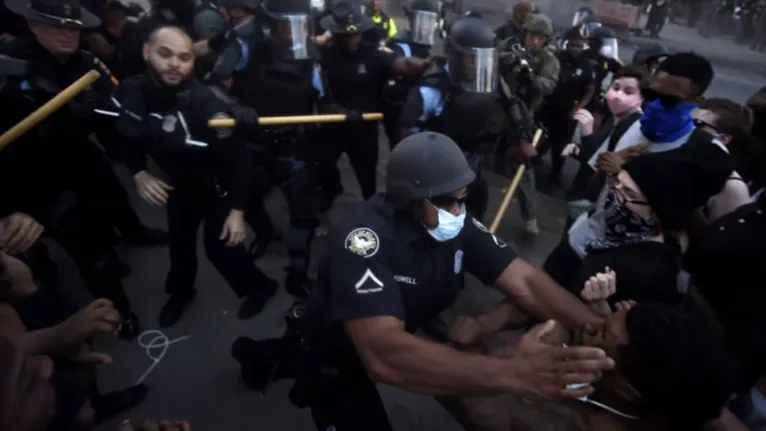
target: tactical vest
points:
(464, 114)
(276, 87)
(382, 23)
(396, 88)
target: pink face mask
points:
(620, 103)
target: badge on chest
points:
(361, 69)
(169, 123)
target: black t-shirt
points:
(646, 272)
(356, 80)
(381, 263)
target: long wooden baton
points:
(298, 119)
(48, 108)
(514, 185)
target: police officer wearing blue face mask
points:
(397, 261)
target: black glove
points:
(354, 116)
(246, 118)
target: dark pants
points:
(292, 162)
(391, 115)
(560, 128)
(360, 142)
(188, 205)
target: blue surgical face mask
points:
(450, 225)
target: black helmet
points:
(424, 5)
(423, 16)
(603, 33)
(425, 165)
(290, 28)
(472, 56)
(243, 4)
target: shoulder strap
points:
(620, 129)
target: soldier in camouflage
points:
(529, 71)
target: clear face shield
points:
(292, 35)
(318, 5)
(473, 69)
(579, 16)
(609, 48)
(424, 26)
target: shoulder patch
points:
(223, 132)
(363, 242)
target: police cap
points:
(472, 32)
(243, 4)
(424, 5)
(650, 52)
(539, 24)
(425, 165)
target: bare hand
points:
(83, 354)
(5, 37)
(585, 119)
(600, 287)
(99, 317)
(624, 305)
(609, 163)
(19, 232)
(545, 370)
(634, 151)
(528, 150)
(158, 425)
(571, 150)
(17, 276)
(234, 229)
(152, 189)
(465, 332)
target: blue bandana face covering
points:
(450, 225)
(661, 124)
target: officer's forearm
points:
(428, 368)
(404, 66)
(536, 292)
(544, 85)
(505, 315)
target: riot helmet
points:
(581, 14)
(472, 57)
(424, 21)
(290, 28)
(426, 165)
(605, 41)
(539, 24)
(318, 5)
(649, 54)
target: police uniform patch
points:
(363, 242)
(169, 123)
(458, 261)
(223, 132)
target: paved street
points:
(196, 379)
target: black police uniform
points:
(56, 158)
(167, 124)
(556, 114)
(381, 262)
(603, 68)
(469, 119)
(398, 87)
(380, 33)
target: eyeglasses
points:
(448, 201)
(667, 100)
(704, 124)
(622, 199)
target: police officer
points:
(519, 15)
(397, 261)
(199, 18)
(385, 26)
(355, 72)
(57, 158)
(650, 56)
(164, 115)
(423, 17)
(605, 61)
(574, 91)
(281, 78)
(530, 70)
(469, 83)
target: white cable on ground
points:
(155, 339)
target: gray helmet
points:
(425, 165)
(650, 52)
(539, 24)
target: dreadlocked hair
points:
(681, 370)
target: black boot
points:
(114, 403)
(173, 309)
(297, 283)
(262, 241)
(257, 299)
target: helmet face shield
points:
(610, 48)
(292, 35)
(424, 26)
(473, 69)
(318, 5)
(579, 17)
